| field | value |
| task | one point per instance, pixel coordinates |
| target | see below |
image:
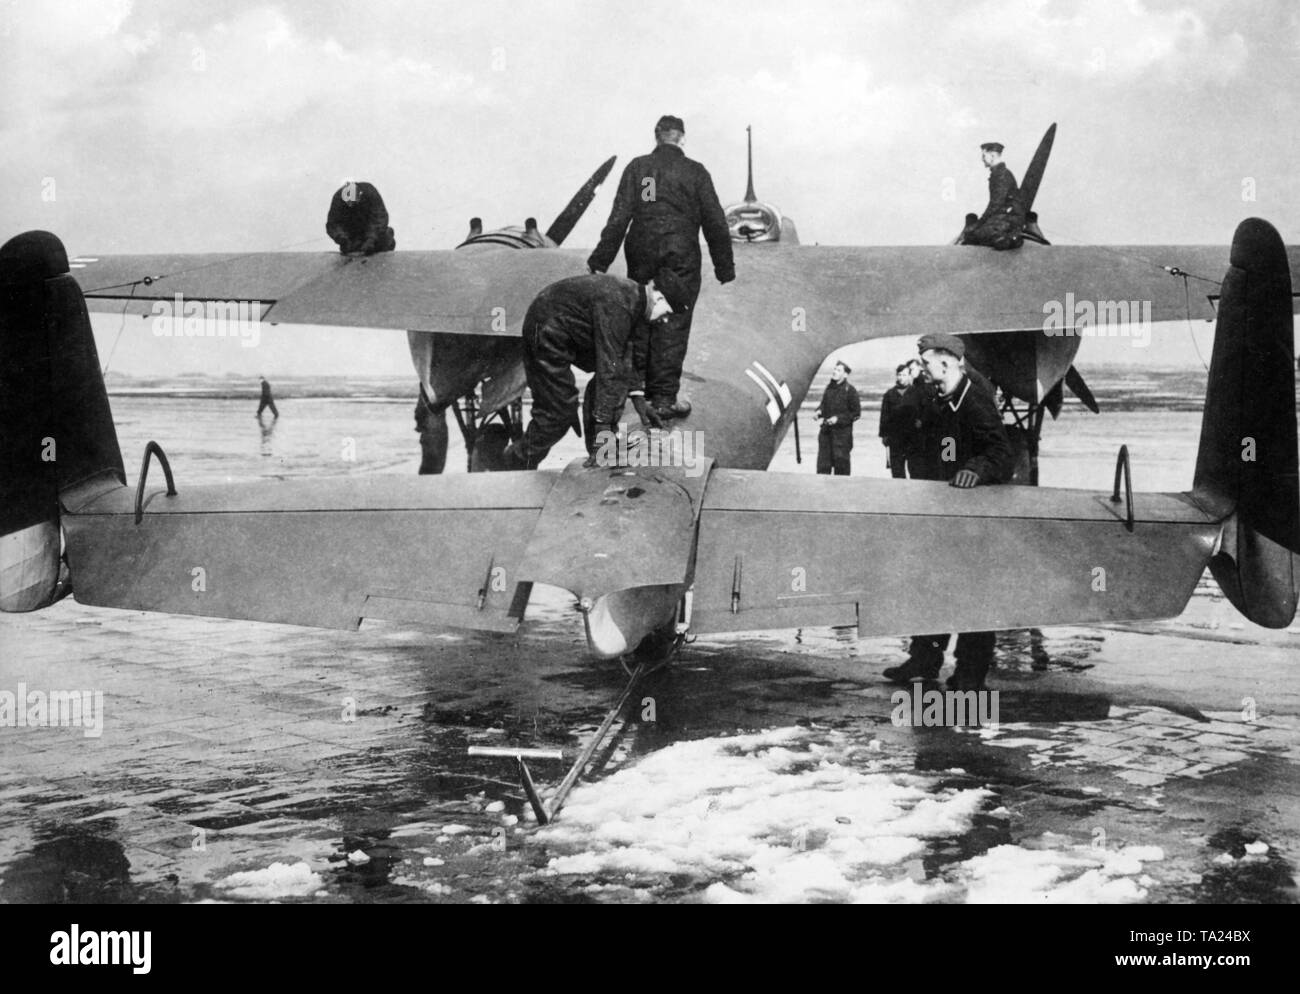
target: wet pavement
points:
(241, 761)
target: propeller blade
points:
(1034, 174)
(572, 214)
(1074, 381)
(1055, 397)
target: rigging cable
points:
(122, 327)
(1187, 305)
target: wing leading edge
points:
(837, 294)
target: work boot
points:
(672, 408)
(974, 655)
(513, 458)
(969, 674)
(924, 660)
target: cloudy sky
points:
(227, 124)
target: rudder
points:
(58, 429)
(1246, 467)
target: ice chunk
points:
(278, 880)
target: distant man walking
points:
(663, 201)
(836, 413)
(600, 324)
(267, 401)
(965, 443)
(1003, 221)
(358, 220)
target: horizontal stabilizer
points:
(441, 550)
(907, 557)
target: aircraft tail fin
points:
(1246, 468)
(58, 430)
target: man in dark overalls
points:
(964, 442)
(836, 413)
(358, 220)
(600, 324)
(1003, 221)
(663, 201)
(897, 431)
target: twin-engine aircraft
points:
(711, 544)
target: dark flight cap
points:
(847, 368)
(674, 289)
(670, 123)
(949, 343)
(992, 147)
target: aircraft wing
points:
(467, 293)
(780, 550)
(326, 553)
(844, 294)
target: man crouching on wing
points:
(964, 442)
(601, 324)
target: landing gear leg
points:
(433, 442)
(1026, 430)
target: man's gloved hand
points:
(832, 420)
(725, 275)
(965, 479)
(649, 416)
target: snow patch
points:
(276, 881)
(791, 815)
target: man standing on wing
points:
(663, 201)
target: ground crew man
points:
(1003, 221)
(267, 400)
(836, 413)
(358, 220)
(965, 443)
(897, 431)
(663, 201)
(600, 324)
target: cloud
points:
(1107, 41)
